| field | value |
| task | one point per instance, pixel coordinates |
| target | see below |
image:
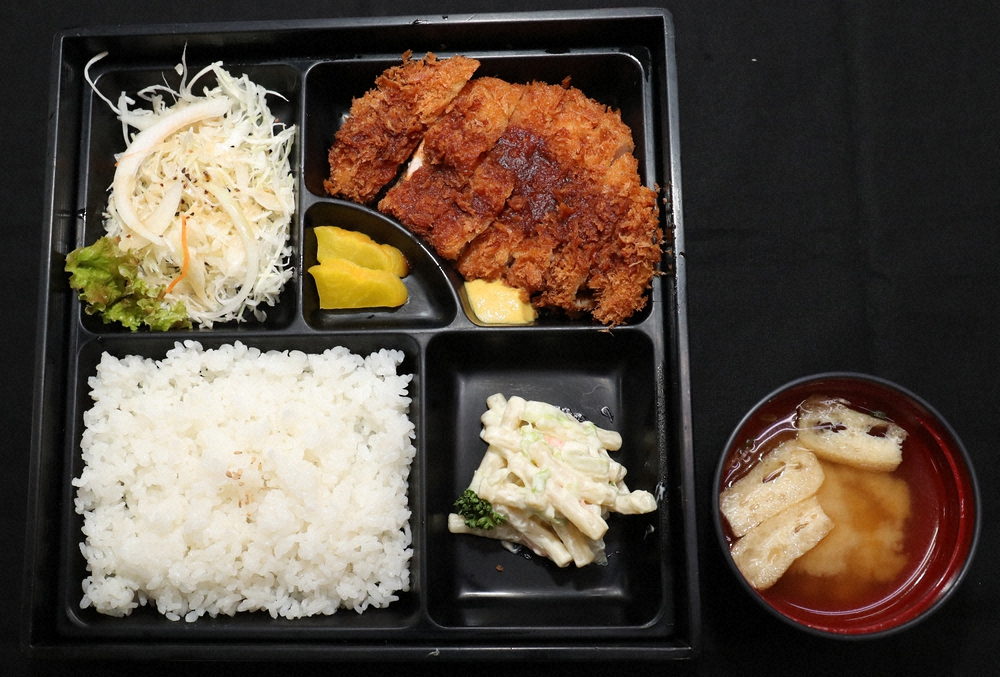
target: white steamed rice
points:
(227, 480)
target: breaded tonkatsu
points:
(530, 214)
(386, 124)
(450, 193)
(535, 185)
(579, 231)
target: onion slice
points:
(142, 145)
(164, 213)
(249, 242)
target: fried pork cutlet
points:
(448, 195)
(386, 124)
(523, 150)
(535, 185)
(579, 232)
(624, 263)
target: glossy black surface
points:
(633, 379)
(610, 383)
(840, 206)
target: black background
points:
(840, 183)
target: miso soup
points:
(886, 523)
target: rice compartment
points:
(228, 480)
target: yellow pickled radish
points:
(345, 284)
(337, 243)
(397, 262)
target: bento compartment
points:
(573, 158)
(103, 139)
(247, 434)
(431, 300)
(608, 379)
(616, 78)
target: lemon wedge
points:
(498, 303)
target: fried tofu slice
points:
(783, 477)
(387, 123)
(766, 552)
(836, 432)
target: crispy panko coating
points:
(535, 185)
(449, 195)
(386, 124)
(522, 150)
(579, 232)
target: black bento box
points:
(469, 597)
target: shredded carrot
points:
(187, 254)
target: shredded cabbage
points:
(220, 161)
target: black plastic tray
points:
(643, 604)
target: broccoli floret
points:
(477, 512)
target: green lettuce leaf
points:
(107, 280)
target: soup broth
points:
(885, 523)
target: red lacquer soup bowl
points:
(906, 537)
